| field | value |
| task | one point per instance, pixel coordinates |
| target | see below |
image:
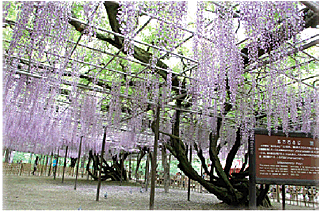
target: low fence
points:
(181, 182)
(306, 196)
(42, 170)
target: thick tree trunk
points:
(113, 172)
(141, 154)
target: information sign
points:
(286, 157)
(291, 160)
(283, 160)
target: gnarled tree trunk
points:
(112, 172)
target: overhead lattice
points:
(78, 74)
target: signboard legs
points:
(283, 197)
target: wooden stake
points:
(102, 153)
(79, 153)
(65, 163)
(154, 159)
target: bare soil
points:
(45, 193)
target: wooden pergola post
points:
(65, 163)
(79, 153)
(154, 159)
(102, 153)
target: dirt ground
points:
(44, 193)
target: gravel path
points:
(44, 193)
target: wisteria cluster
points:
(34, 118)
(220, 64)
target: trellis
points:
(167, 52)
(99, 85)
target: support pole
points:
(201, 170)
(278, 194)
(102, 153)
(154, 159)
(43, 164)
(121, 168)
(82, 165)
(189, 180)
(51, 159)
(129, 167)
(79, 153)
(30, 157)
(166, 174)
(283, 197)
(56, 167)
(65, 163)
(46, 164)
(146, 176)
